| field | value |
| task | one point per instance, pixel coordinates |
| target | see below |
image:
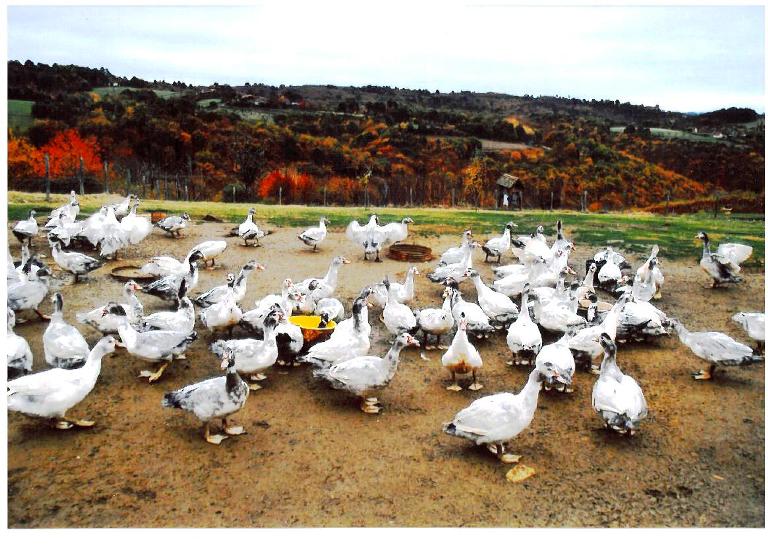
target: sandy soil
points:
(311, 458)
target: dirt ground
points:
(312, 458)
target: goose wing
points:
(486, 414)
(734, 253)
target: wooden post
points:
(47, 160)
(280, 196)
(410, 190)
(666, 207)
(186, 190)
(128, 182)
(80, 171)
(367, 199)
(453, 197)
(234, 192)
(551, 200)
(106, 177)
(717, 203)
(585, 201)
(325, 191)
(165, 187)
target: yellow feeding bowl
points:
(309, 328)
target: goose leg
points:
(475, 385)
(157, 374)
(378, 259)
(43, 316)
(513, 361)
(507, 458)
(213, 439)
(232, 430)
(454, 387)
(705, 374)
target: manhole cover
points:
(410, 252)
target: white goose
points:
(454, 271)
(496, 419)
(556, 316)
(52, 393)
(716, 348)
(558, 364)
(68, 211)
(462, 358)
(121, 208)
(648, 279)
(210, 250)
(254, 318)
(137, 227)
(478, 323)
(585, 344)
(252, 356)
(396, 232)
(73, 262)
(106, 324)
(398, 318)
(617, 397)
(216, 293)
(325, 286)
(165, 265)
(173, 225)
(92, 226)
(369, 236)
(640, 320)
(17, 350)
(65, 229)
(754, 324)
(167, 287)
(29, 292)
(155, 346)
(456, 254)
(238, 285)
(523, 336)
(495, 247)
(181, 320)
(350, 338)
(113, 236)
(404, 293)
(224, 315)
(218, 397)
(315, 235)
(436, 321)
(27, 229)
(364, 374)
(499, 308)
(723, 265)
(609, 274)
(248, 230)
(529, 249)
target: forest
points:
(378, 145)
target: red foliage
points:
(65, 150)
(297, 187)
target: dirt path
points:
(311, 458)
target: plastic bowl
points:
(309, 328)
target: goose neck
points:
(128, 335)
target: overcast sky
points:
(681, 58)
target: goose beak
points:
(259, 267)
(412, 341)
(345, 261)
(224, 363)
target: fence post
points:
(453, 197)
(551, 200)
(165, 187)
(128, 182)
(47, 160)
(186, 190)
(280, 196)
(410, 191)
(325, 188)
(106, 177)
(234, 192)
(80, 176)
(585, 201)
(666, 208)
(717, 203)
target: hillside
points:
(323, 143)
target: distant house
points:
(512, 186)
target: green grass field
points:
(631, 232)
(682, 135)
(20, 115)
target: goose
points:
(225, 314)
(538, 235)
(167, 287)
(25, 230)
(462, 358)
(181, 320)
(68, 211)
(253, 320)
(73, 262)
(523, 336)
(404, 293)
(499, 308)
(326, 285)
(640, 320)
(587, 286)
(13, 273)
(63, 344)
(398, 318)
(529, 249)
(497, 419)
(137, 227)
(66, 230)
(436, 321)
(556, 316)
(50, 394)
(121, 208)
(495, 247)
(249, 230)
(585, 344)
(210, 250)
(454, 271)
(368, 236)
(716, 348)
(723, 265)
(536, 273)
(17, 350)
(164, 265)
(238, 285)
(154, 346)
(395, 232)
(30, 292)
(107, 324)
(558, 364)
(290, 339)
(478, 323)
(253, 357)
(173, 225)
(26, 256)
(754, 324)
(315, 235)
(617, 397)
(113, 236)
(364, 374)
(601, 256)
(331, 308)
(351, 338)
(455, 254)
(609, 275)
(218, 397)
(92, 227)
(560, 242)
(648, 279)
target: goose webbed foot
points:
(258, 377)
(153, 377)
(66, 423)
(370, 405)
(475, 385)
(213, 439)
(42, 316)
(253, 387)
(454, 387)
(229, 429)
(703, 374)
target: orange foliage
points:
(297, 187)
(24, 160)
(65, 150)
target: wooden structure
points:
(513, 188)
